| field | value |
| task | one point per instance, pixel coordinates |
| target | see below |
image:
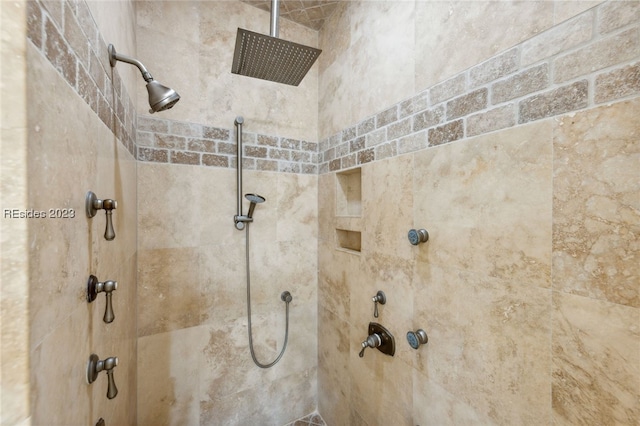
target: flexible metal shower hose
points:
(286, 334)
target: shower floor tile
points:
(313, 419)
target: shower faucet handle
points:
(94, 287)
(378, 298)
(372, 341)
(93, 204)
(95, 366)
(379, 337)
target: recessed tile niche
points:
(348, 210)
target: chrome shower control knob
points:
(94, 287)
(378, 298)
(379, 337)
(372, 341)
(95, 366)
(418, 236)
(93, 204)
(417, 338)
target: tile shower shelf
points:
(349, 193)
(348, 235)
(349, 223)
(350, 241)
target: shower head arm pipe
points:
(274, 29)
(161, 98)
(115, 56)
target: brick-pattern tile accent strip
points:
(590, 59)
(66, 34)
(555, 102)
(587, 60)
(175, 142)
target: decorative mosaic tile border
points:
(66, 34)
(581, 63)
(168, 141)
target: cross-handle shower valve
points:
(95, 365)
(94, 287)
(93, 204)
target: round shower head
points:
(254, 198)
(161, 97)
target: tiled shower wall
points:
(545, 76)
(77, 138)
(528, 287)
(194, 362)
(522, 165)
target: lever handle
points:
(93, 204)
(95, 366)
(112, 390)
(94, 287)
(372, 341)
(108, 312)
(378, 298)
(109, 232)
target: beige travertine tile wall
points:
(78, 137)
(194, 364)
(190, 46)
(528, 287)
(381, 53)
(194, 360)
(14, 284)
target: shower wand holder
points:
(240, 221)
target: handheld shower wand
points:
(242, 219)
(254, 199)
(242, 222)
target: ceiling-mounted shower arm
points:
(274, 29)
(115, 57)
(270, 58)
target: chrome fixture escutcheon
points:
(379, 337)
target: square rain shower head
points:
(271, 58)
